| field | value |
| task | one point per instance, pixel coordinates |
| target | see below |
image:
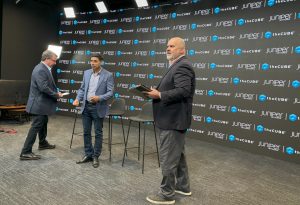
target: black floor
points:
(219, 175)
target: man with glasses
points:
(41, 103)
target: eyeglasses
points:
(52, 59)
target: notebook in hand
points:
(139, 89)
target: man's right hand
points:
(59, 94)
(76, 103)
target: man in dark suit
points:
(41, 103)
(97, 87)
(172, 109)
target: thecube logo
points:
(173, 15)
(58, 71)
(75, 22)
(210, 93)
(152, 53)
(262, 98)
(268, 35)
(260, 128)
(289, 150)
(153, 29)
(241, 22)
(238, 51)
(71, 101)
(120, 31)
(118, 74)
(119, 53)
(231, 138)
(212, 66)
(234, 109)
(296, 84)
(135, 42)
(236, 81)
(208, 120)
(191, 52)
(293, 117)
(104, 21)
(214, 38)
(297, 50)
(137, 18)
(116, 95)
(217, 10)
(131, 108)
(193, 26)
(265, 66)
(151, 76)
(271, 3)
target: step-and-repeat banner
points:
(245, 55)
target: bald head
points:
(175, 48)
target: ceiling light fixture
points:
(69, 12)
(101, 7)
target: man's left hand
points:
(95, 99)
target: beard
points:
(169, 57)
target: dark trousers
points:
(90, 115)
(173, 163)
(38, 126)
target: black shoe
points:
(85, 159)
(95, 162)
(29, 156)
(46, 146)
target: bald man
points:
(172, 109)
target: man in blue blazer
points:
(97, 87)
(172, 109)
(41, 103)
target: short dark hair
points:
(97, 56)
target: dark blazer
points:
(43, 95)
(174, 110)
(104, 90)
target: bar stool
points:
(117, 109)
(74, 125)
(145, 116)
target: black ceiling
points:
(89, 5)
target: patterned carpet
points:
(219, 175)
